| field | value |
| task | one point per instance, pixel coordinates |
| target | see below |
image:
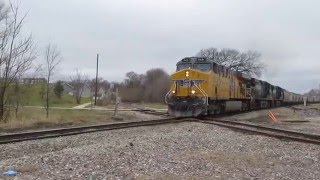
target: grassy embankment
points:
(35, 117)
(34, 95)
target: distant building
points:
(102, 92)
(33, 81)
(68, 88)
(86, 91)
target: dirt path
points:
(82, 106)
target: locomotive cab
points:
(202, 64)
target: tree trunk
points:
(78, 100)
(17, 109)
(2, 111)
(47, 107)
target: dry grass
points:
(316, 106)
(156, 105)
(34, 118)
(281, 113)
(126, 105)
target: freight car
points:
(200, 87)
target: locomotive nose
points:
(189, 93)
(189, 74)
(189, 81)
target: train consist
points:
(201, 87)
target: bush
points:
(131, 94)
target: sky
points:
(137, 35)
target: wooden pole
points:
(96, 92)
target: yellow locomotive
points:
(200, 87)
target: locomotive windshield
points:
(202, 66)
(183, 66)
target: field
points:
(32, 115)
(35, 118)
(34, 95)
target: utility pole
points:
(318, 93)
(95, 96)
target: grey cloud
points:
(140, 34)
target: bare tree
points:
(101, 84)
(133, 79)
(52, 59)
(155, 85)
(149, 87)
(79, 81)
(211, 53)
(245, 62)
(16, 51)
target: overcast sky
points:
(137, 35)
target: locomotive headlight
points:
(187, 73)
(193, 92)
(173, 91)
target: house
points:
(102, 92)
(68, 88)
(86, 91)
(32, 81)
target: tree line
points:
(149, 87)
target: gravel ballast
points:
(175, 151)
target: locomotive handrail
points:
(168, 93)
(248, 92)
(166, 97)
(204, 94)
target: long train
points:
(202, 87)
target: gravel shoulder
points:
(298, 118)
(177, 151)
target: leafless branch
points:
(79, 81)
(52, 60)
(16, 52)
(245, 62)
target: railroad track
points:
(264, 130)
(16, 137)
(251, 128)
(153, 112)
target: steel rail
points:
(154, 112)
(51, 133)
(264, 130)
